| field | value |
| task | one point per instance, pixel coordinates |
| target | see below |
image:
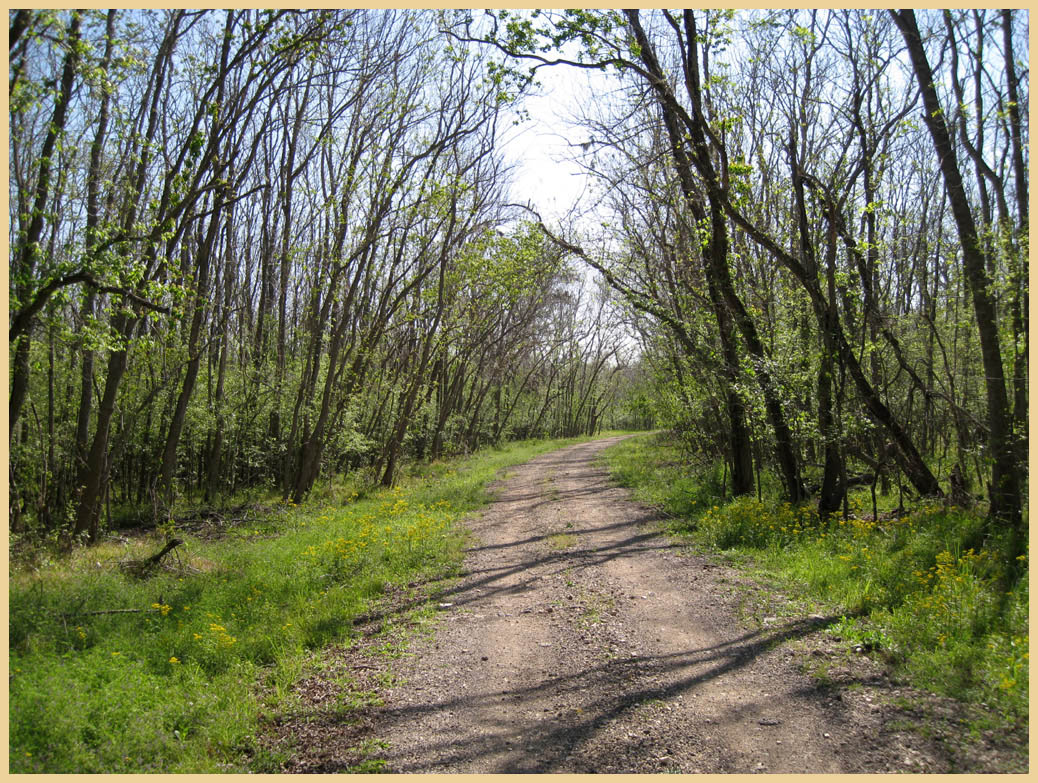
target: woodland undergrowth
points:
(112, 673)
(913, 591)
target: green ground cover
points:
(113, 673)
(912, 589)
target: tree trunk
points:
(1005, 476)
(24, 264)
(93, 478)
(1019, 302)
(691, 150)
(176, 425)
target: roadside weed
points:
(560, 541)
(110, 673)
(918, 594)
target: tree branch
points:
(23, 318)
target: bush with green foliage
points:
(111, 673)
(911, 586)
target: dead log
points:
(142, 568)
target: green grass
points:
(910, 587)
(659, 478)
(178, 685)
(560, 541)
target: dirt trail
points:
(581, 640)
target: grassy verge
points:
(918, 597)
(114, 673)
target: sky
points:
(545, 150)
(544, 147)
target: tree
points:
(1005, 477)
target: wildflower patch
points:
(911, 586)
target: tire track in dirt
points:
(582, 640)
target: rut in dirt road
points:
(581, 640)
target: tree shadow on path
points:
(557, 736)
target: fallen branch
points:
(107, 611)
(141, 568)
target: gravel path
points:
(581, 640)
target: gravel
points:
(582, 640)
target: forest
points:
(251, 247)
(253, 252)
(248, 248)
